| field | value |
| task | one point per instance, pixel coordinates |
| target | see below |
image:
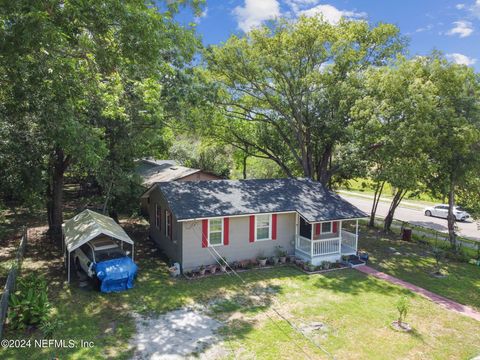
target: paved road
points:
(416, 217)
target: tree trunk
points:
(399, 194)
(323, 172)
(452, 236)
(58, 163)
(244, 164)
(376, 200)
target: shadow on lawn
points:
(355, 283)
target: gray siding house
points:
(152, 171)
(196, 222)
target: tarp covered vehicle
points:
(96, 242)
(116, 275)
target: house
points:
(152, 171)
(194, 222)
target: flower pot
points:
(201, 272)
(283, 259)
(274, 260)
(262, 262)
(291, 258)
(212, 269)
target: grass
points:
(367, 186)
(415, 262)
(356, 309)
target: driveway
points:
(416, 217)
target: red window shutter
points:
(335, 225)
(226, 230)
(274, 226)
(252, 228)
(318, 229)
(204, 233)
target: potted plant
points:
(274, 260)
(291, 258)
(212, 269)
(201, 270)
(310, 267)
(262, 259)
(281, 254)
(325, 265)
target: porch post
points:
(297, 230)
(311, 240)
(356, 236)
(68, 266)
(340, 236)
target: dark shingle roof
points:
(203, 199)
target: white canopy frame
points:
(85, 227)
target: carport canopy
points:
(87, 226)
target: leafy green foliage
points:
(29, 305)
(403, 307)
(89, 84)
(285, 91)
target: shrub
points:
(29, 305)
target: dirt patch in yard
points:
(178, 334)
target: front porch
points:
(326, 241)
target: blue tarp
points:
(116, 274)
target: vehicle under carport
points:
(89, 226)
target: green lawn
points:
(415, 262)
(367, 186)
(355, 309)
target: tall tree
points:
(286, 90)
(457, 130)
(87, 79)
(395, 119)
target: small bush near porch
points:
(345, 312)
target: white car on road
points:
(442, 212)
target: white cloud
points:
(474, 9)
(460, 6)
(461, 59)
(254, 12)
(331, 13)
(462, 28)
(425, 28)
(298, 5)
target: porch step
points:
(354, 261)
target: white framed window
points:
(263, 227)
(168, 223)
(327, 227)
(215, 232)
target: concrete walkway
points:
(440, 300)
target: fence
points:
(433, 235)
(11, 279)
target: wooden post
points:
(340, 237)
(311, 240)
(356, 236)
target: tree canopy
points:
(286, 90)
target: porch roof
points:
(205, 199)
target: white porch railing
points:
(349, 239)
(318, 247)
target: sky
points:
(452, 27)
